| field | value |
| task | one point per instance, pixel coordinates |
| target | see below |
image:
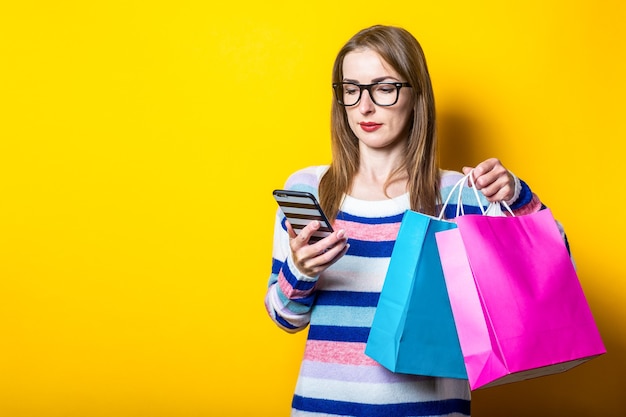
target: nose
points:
(366, 105)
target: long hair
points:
(404, 54)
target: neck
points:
(372, 181)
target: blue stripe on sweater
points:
(339, 333)
(525, 196)
(276, 265)
(348, 298)
(450, 211)
(427, 408)
(284, 322)
(294, 281)
(369, 249)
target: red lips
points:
(370, 126)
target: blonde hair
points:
(404, 54)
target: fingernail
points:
(341, 234)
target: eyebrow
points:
(374, 81)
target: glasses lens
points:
(384, 94)
(348, 94)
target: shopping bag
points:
(413, 329)
(519, 309)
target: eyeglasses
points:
(382, 94)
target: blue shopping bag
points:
(413, 329)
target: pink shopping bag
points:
(518, 306)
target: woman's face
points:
(376, 126)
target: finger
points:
(338, 256)
(290, 231)
(326, 257)
(327, 248)
(467, 170)
(338, 238)
(306, 233)
(487, 165)
(489, 172)
(500, 189)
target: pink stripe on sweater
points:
(532, 207)
(369, 232)
(288, 290)
(345, 353)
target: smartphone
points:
(301, 208)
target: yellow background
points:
(140, 142)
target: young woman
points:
(384, 163)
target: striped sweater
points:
(336, 377)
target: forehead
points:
(365, 65)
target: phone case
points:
(301, 208)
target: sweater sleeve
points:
(290, 293)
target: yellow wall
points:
(140, 142)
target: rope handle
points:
(469, 178)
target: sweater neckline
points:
(376, 208)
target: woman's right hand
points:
(313, 259)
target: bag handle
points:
(459, 185)
(491, 204)
(459, 207)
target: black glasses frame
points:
(337, 87)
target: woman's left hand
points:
(493, 180)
